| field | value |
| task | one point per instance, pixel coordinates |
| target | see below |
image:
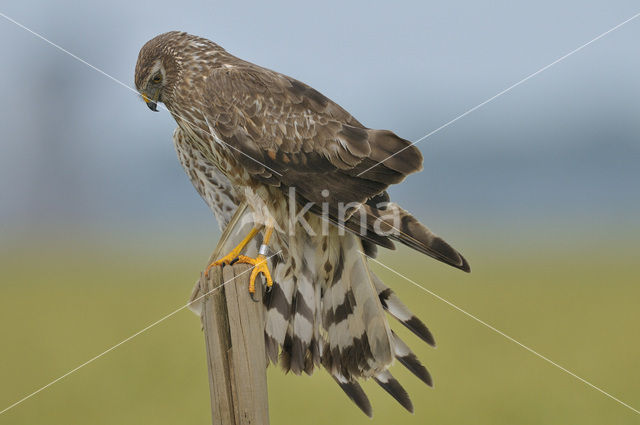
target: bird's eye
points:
(156, 79)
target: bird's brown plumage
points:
(308, 139)
(249, 134)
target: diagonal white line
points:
(499, 332)
(57, 46)
(505, 91)
(67, 52)
(91, 360)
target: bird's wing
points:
(298, 137)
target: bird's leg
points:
(235, 252)
(259, 264)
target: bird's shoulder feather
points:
(299, 137)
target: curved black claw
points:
(268, 289)
(235, 260)
(253, 297)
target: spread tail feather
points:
(278, 309)
(405, 356)
(393, 387)
(396, 308)
(354, 391)
(359, 341)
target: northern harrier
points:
(246, 133)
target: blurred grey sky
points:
(81, 151)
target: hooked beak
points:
(150, 103)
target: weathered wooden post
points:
(234, 338)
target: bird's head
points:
(157, 69)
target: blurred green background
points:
(101, 233)
(578, 307)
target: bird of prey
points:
(316, 181)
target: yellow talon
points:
(235, 252)
(259, 267)
(259, 263)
